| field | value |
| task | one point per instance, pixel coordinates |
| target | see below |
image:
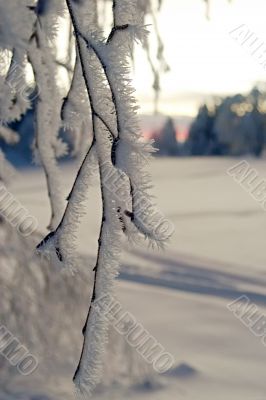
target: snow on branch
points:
(100, 98)
(48, 146)
(118, 150)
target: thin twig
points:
(114, 30)
(94, 116)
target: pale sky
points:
(203, 57)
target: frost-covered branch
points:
(47, 144)
(60, 245)
(100, 98)
(47, 126)
(104, 67)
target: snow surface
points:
(180, 295)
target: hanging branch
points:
(109, 246)
(47, 127)
(60, 245)
(117, 150)
(130, 138)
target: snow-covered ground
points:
(217, 254)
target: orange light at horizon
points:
(182, 135)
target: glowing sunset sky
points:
(204, 59)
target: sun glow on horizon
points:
(204, 59)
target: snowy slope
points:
(216, 254)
